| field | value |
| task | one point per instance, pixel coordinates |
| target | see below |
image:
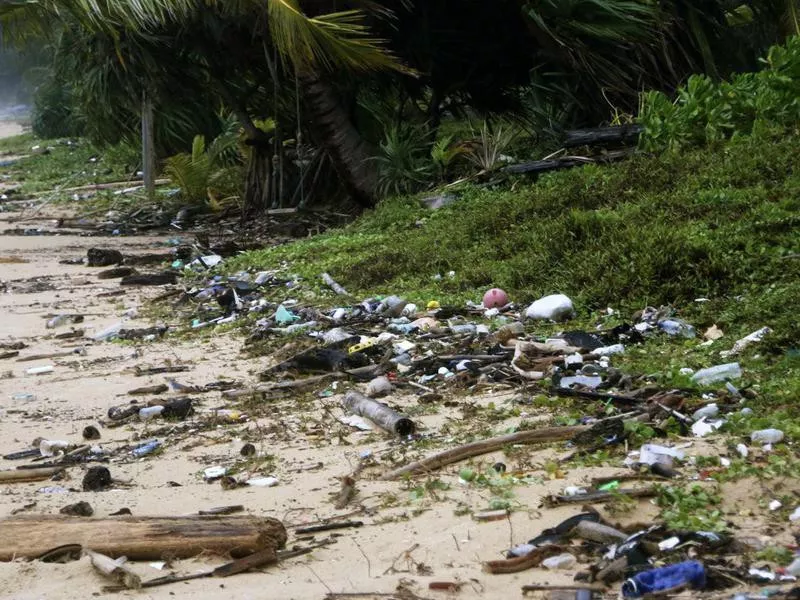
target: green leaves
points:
(706, 112)
(334, 40)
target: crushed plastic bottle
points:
(767, 436)
(108, 333)
(691, 573)
(677, 327)
(717, 373)
(560, 561)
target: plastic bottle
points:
(677, 327)
(717, 373)
(709, 411)
(794, 568)
(23, 397)
(560, 561)
(691, 573)
(57, 321)
(108, 333)
(146, 448)
(40, 370)
(767, 436)
(150, 412)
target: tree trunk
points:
(333, 130)
(259, 181)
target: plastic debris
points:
(746, 341)
(495, 298)
(556, 307)
(717, 373)
(690, 573)
(767, 436)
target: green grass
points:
(719, 224)
(64, 166)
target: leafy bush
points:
(53, 114)
(404, 162)
(706, 112)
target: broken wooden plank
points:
(140, 538)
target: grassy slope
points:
(655, 230)
(719, 224)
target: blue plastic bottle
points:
(691, 573)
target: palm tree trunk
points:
(330, 125)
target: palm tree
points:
(309, 50)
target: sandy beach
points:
(413, 533)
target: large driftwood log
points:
(448, 457)
(140, 538)
(380, 414)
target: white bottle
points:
(767, 436)
(709, 411)
(150, 412)
(561, 561)
(717, 373)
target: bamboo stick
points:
(140, 538)
(448, 457)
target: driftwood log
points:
(623, 134)
(380, 414)
(448, 457)
(140, 538)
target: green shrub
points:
(706, 112)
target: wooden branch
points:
(566, 587)
(140, 538)
(622, 134)
(23, 475)
(448, 457)
(601, 496)
(521, 563)
(115, 569)
(564, 162)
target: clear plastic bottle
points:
(767, 436)
(560, 561)
(709, 411)
(717, 373)
(679, 327)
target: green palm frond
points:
(334, 40)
